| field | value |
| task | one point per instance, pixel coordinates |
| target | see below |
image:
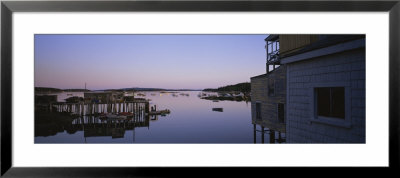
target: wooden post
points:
(271, 136)
(262, 134)
(113, 107)
(254, 133)
(279, 137)
(119, 107)
(146, 107)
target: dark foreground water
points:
(192, 120)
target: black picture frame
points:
(8, 7)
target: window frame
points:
(331, 108)
(339, 122)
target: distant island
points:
(51, 90)
(244, 87)
(150, 89)
(48, 89)
(237, 92)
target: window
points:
(330, 102)
(258, 111)
(271, 87)
(281, 113)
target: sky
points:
(153, 61)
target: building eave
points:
(258, 76)
(341, 47)
(272, 37)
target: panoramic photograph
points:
(199, 88)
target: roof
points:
(281, 67)
(272, 37)
(259, 76)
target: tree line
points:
(244, 87)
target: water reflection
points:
(114, 128)
(191, 120)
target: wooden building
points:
(268, 94)
(269, 99)
(325, 88)
(45, 102)
(102, 97)
(313, 89)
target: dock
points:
(84, 109)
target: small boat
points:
(218, 109)
(160, 112)
(103, 115)
(113, 116)
(128, 114)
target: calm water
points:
(191, 120)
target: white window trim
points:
(346, 122)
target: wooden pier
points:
(84, 109)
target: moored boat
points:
(160, 112)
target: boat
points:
(128, 114)
(113, 116)
(103, 115)
(160, 112)
(218, 109)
